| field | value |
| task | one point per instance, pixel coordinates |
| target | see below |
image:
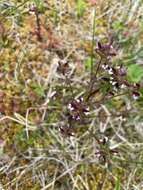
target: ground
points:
(49, 58)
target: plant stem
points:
(92, 53)
(38, 25)
(98, 66)
(70, 86)
(92, 50)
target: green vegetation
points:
(71, 93)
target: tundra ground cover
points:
(71, 95)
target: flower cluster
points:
(106, 50)
(107, 81)
(117, 78)
(78, 108)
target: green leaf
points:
(87, 63)
(117, 186)
(135, 73)
(117, 25)
(139, 53)
(81, 5)
(39, 4)
(39, 90)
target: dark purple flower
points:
(105, 50)
(77, 108)
(66, 130)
